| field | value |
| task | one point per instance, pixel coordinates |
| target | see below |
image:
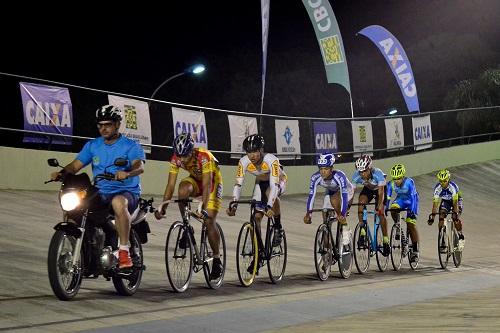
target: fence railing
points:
(449, 127)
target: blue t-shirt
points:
(102, 155)
(377, 179)
(406, 193)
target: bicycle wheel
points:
(345, 250)
(457, 254)
(276, 261)
(361, 251)
(178, 260)
(382, 261)
(323, 252)
(247, 258)
(208, 260)
(396, 246)
(443, 250)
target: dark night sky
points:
(132, 50)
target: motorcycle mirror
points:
(121, 162)
(53, 162)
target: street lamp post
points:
(196, 69)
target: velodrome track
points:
(429, 299)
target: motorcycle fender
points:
(69, 228)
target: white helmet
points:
(363, 163)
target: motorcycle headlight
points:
(70, 201)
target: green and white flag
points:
(329, 40)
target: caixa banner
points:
(46, 109)
(398, 62)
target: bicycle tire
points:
(208, 260)
(443, 255)
(361, 251)
(178, 261)
(246, 254)
(457, 254)
(382, 261)
(277, 256)
(323, 255)
(396, 246)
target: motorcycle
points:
(85, 244)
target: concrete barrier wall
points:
(27, 169)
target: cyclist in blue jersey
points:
(373, 181)
(406, 198)
(122, 194)
(449, 194)
(339, 190)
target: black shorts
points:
(370, 194)
(447, 205)
(263, 186)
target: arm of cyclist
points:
(274, 179)
(315, 179)
(240, 178)
(380, 204)
(344, 196)
(206, 180)
(169, 192)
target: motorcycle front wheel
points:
(65, 279)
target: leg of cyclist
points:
(458, 223)
(214, 238)
(411, 221)
(259, 213)
(336, 202)
(362, 200)
(187, 188)
(380, 202)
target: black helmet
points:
(183, 144)
(253, 142)
(108, 112)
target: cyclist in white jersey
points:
(339, 190)
(449, 194)
(270, 182)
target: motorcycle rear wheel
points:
(127, 286)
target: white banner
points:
(287, 138)
(422, 132)
(136, 124)
(362, 137)
(240, 128)
(394, 133)
(187, 121)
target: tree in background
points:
(483, 91)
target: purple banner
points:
(46, 109)
(325, 137)
(398, 62)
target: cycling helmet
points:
(108, 112)
(183, 144)
(253, 142)
(443, 175)
(363, 163)
(398, 171)
(325, 160)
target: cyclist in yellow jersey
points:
(204, 180)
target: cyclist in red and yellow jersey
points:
(204, 180)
